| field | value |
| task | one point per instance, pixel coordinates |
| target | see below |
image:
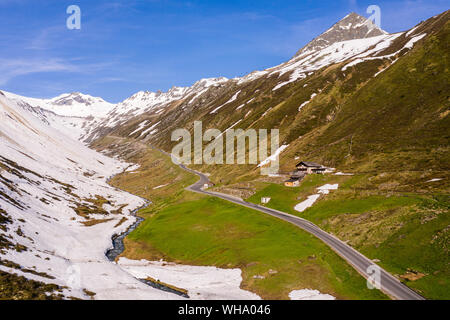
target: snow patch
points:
(411, 42)
(233, 98)
(302, 206)
(325, 189)
(202, 283)
(307, 294)
(274, 156)
(161, 186)
(343, 174)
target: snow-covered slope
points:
(47, 176)
(309, 61)
(155, 102)
(73, 104)
(351, 37)
(76, 114)
(57, 211)
(351, 27)
(83, 114)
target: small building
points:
(265, 200)
(292, 182)
(312, 167)
(319, 170)
(208, 185)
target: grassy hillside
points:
(397, 121)
(360, 119)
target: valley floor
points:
(275, 257)
(401, 231)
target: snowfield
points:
(307, 294)
(44, 174)
(202, 283)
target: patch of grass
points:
(327, 209)
(5, 240)
(89, 293)
(421, 245)
(90, 223)
(14, 287)
(156, 170)
(120, 222)
(92, 206)
(5, 219)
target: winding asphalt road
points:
(388, 284)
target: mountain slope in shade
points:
(57, 211)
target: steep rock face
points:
(351, 27)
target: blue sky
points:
(129, 45)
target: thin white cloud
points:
(11, 68)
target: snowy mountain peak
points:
(73, 104)
(147, 101)
(207, 82)
(74, 98)
(149, 98)
(351, 27)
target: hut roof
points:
(309, 164)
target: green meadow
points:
(274, 256)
